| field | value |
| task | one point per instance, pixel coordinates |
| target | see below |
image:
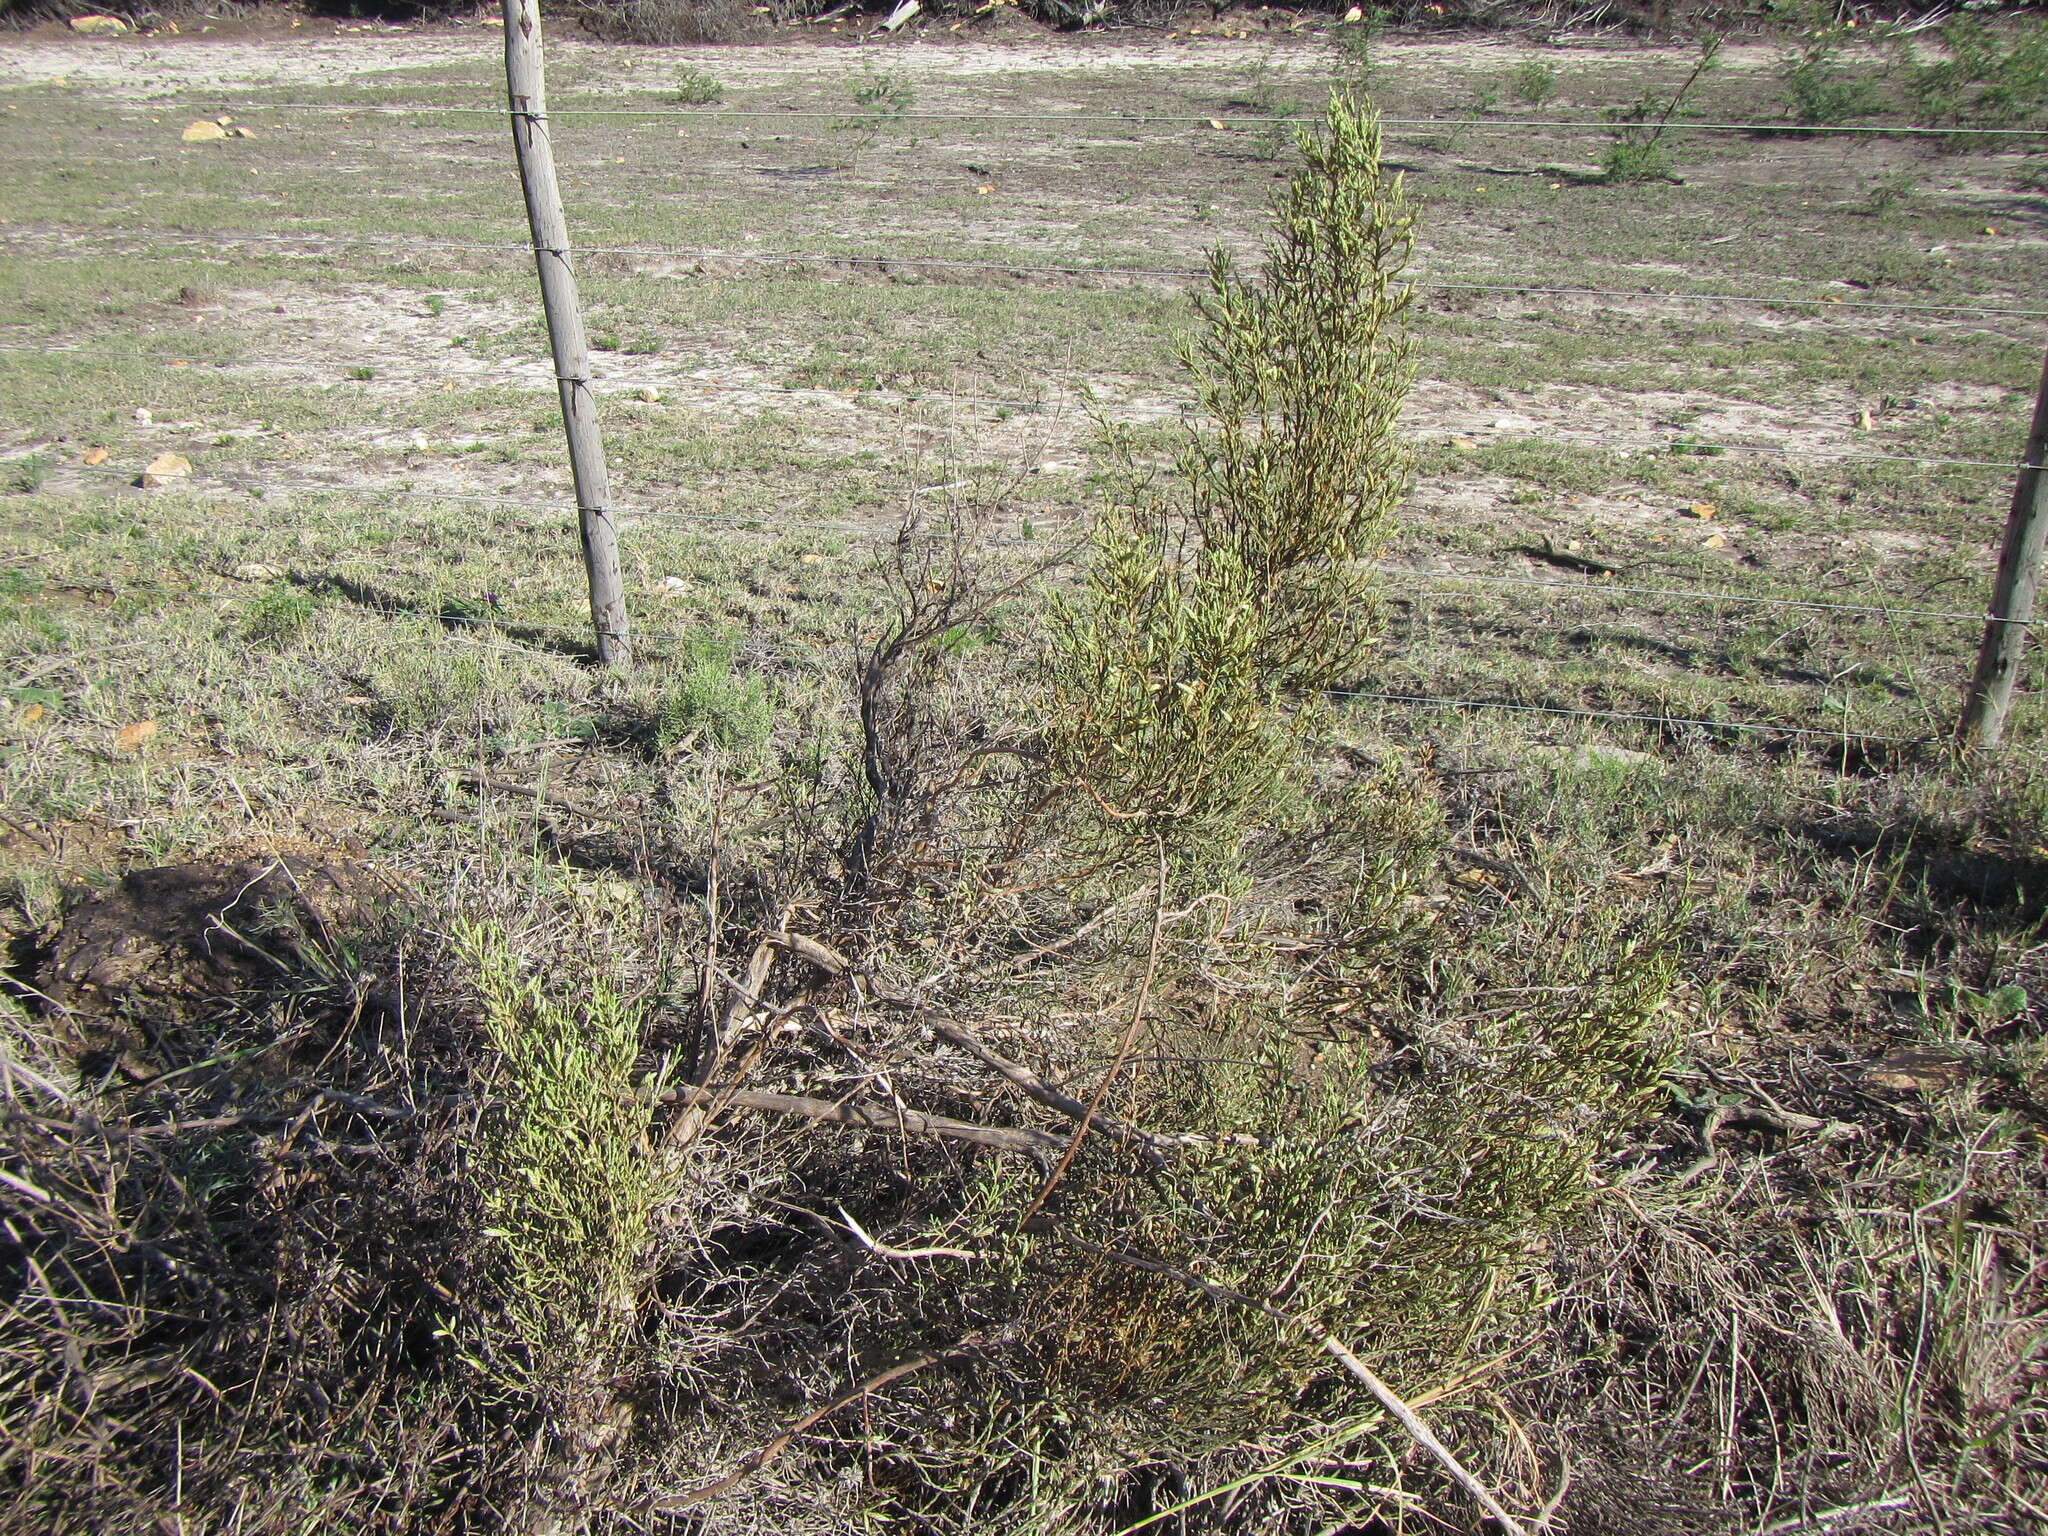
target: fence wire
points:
(1054, 531)
(1422, 282)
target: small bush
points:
(1629, 162)
(570, 1188)
(1819, 90)
(1533, 82)
(278, 617)
(1206, 620)
(714, 705)
(1991, 77)
(880, 94)
(698, 88)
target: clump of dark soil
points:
(165, 946)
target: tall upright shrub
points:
(1223, 600)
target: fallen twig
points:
(474, 780)
(1151, 1142)
(883, 1251)
(878, 1117)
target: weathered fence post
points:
(2012, 600)
(526, 88)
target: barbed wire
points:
(1682, 446)
(1053, 530)
(1699, 595)
(1668, 721)
(643, 642)
(843, 258)
(853, 113)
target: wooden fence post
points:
(526, 88)
(2012, 601)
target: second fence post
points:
(526, 88)
(2012, 600)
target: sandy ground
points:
(143, 67)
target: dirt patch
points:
(168, 944)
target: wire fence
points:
(1422, 282)
(345, 481)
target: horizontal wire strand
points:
(693, 253)
(854, 114)
(767, 521)
(1422, 700)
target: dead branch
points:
(876, 1117)
(828, 960)
(883, 1251)
(1154, 1145)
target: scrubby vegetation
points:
(1072, 1065)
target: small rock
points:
(250, 570)
(1714, 541)
(202, 131)
(142, 415)
(100, 26)
(165, 468)
(675, 584)
(1702, 510)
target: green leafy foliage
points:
(1534, 82)
(1216, 607)
(278, 616)
(1640, 149)
(712, 703)
(696, 87)
(1989, 75)
(1820, 89)
(570, 1186)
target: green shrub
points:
(1533, 82)
(1640, 151)
(1819, 90)
(1990, 77)
(1210, 615)
(712, 704)
(698, 88)
(278, 616)
(569, 1185)
(879, 94)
